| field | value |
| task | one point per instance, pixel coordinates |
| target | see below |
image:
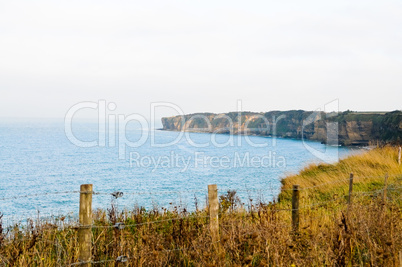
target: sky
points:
(201, 56)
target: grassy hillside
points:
(367, 233)
(326, 180)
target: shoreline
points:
(272, 136)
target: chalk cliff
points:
(346, 128)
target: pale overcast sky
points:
(200, 55)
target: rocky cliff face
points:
(347, 128)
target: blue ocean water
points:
(36, 158)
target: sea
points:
(42, 166)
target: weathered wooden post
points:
(350, 189)
(350, 193)
(384, 195)
(400, 258)
(213, 212)
(85, 220)
(295, 208)
(399, 155)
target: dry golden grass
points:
(369, 170)
(370, 234)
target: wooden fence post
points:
(350, 193)
(384, 195)
(350, 189)
(85, 220)
(295, 208)
(399, 155)
(400, 258)
(213, 212)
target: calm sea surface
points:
(37, 159)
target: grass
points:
(369, 170)
(368, 233)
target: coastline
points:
(346, 128)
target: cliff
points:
(346, 128)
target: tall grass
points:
(329, 180)
(369, 233)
